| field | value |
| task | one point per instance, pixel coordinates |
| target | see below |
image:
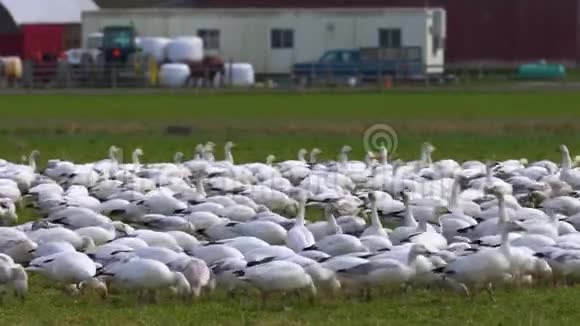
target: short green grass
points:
(486, 126)
(461, 125)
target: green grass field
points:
(461, 125)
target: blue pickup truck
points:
(365, 64)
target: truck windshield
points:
(337, 56)
(117, 39)
(330, 57)
(346, 57)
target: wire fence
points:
(63, 75)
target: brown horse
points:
(206, 70)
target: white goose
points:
(376, 227)
(184, 240)
(278, 276)
(267, 231)
(484, 268)
(16, 244)
(213, 253)
(158, 239)
(339, 244)
(384, 272)
(129, 241)
(51, 248)
(111, 253)
(322, 229)
(61, 234)
(160, 254)
(13, 276)
(196, 272)
(78, 217)
(146, 276)
(411, 226)
(224, 270)
(299, 237)
(567, 174)
(245, 244)
(269, 252)
(99, 234)
(70, 269)
(323, 278)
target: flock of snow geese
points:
(189, 227)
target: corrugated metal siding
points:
(512, 30)
(479, 31)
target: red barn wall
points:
(478, 31)
(10, 44)
(42, 39)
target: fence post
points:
(113, 76)
(206, 81)
(230, 72)
(26, 73)
(426, 73)
(379, 73)
(356, 75)
(312, 75)
(69, 71)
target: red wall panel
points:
(477, 30)
(10, 44)
(42, 39)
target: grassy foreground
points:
(462, 126)
(539, 306)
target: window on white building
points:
(281, 38)
(390, 38)
(210, 37)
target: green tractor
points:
(121, 60)
(118, 44)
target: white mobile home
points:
(273, 39)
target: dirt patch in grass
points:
(297, 126)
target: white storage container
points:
(239, 74)
(154, 46)
(185, 49)
(173, 75)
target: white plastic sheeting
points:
(239, 74)
(154, 46)
(173, 75)
(47, 11)
(185, 49)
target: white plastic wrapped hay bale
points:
(173, 75)
(239, 74)
(185, 49)
(154, 46)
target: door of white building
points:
(282, 49)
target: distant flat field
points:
(460, 125)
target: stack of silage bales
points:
(155, 47)
(174, 75)
(180, 52)
(239, 74)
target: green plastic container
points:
(541, 70)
